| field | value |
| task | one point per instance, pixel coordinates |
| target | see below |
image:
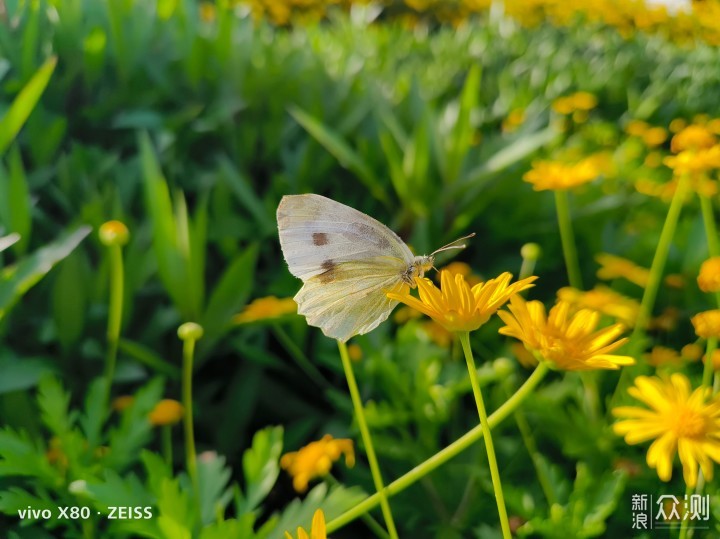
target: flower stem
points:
(444, 455)
(367, 439)
(492, 460)
(567, 237)
(115, 309)
(685, 521)
(637, 338)
(190, 454)
(531, 447)
(714, 250)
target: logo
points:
(668, 510)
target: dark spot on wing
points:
(329, 274)
(320, 238)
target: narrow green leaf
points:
(345, 155)
(261, 466)
(462, 133)
(54, 404)
(17, 279)
(69, 299)
(231, 292)
(246, 195)
(148, 357)
(24, 103)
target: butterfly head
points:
(417, 268)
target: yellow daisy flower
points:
(555, 175)
(707, 324)
(166, 412)
(693, 137)
(679, 420)
(604, 300)
(614, 267)
(709, 278)
(691, 352)
(266, 308)
(662, 355)
(457, 306)
(567, 342)
(316, 459)
(318, 530)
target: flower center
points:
(689, 424)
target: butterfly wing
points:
(315, 230)
(347, 260)
(350, 299)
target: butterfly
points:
(347, 261)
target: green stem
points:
(190, 454)
(492, 460)
(367, 439)
(637, 338)
(711, 233)
(685, 521)
(444, 455)
(567, 237)
(115, 309)
(368, 519)
(310, 370)
(707, 378)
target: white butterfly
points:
(347, 261)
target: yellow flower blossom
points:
(514, 119)
(707, 324)
(555, 175)
(661, 355)
(677, 125)
(691, 352)
(693, 137)
(567, 342)
(166, 412)
(316, 459)
(694, 162)
(465, 270)
(524, 356)
(457, 306)
(318, 530)
(604, 300)
(715, 358)
(437, 333)
(614, 267)
(679, 420)
(654, 136)
(266, 308)
(636, 128)
(709, 277)
(355, 352)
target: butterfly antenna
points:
(451, 246)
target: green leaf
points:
(24, 103)
(54, 404)
(245, 192)
(300, 513)
(17, 374)
(260, 466)
(17, 279)
(20, 457)
(176, 512)
(7, 241)
(213, 480)
(115, 490)
(69, 298)
(231, 293)
(15, 206)
(230, 529)
(149, 357)
(345, 155)
(462, 132)
(16, 499)
(93, 419)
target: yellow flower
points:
(318, 530)
(316, 459)
(555, 175)
(463, 269)
(636, 128)
(691, 352)
(583, 101)
(693, 137)
(654, 136)
(355, 352)
(665, 321)
(661, 355)
(524, 356)
(113, 233)
(457, 306)
(437, 333)
(569, 343)
(715, 358)
(707, 324)
(677, 125)
(604, 300)
(694, 162)
(166, 412)
(266, 308)
(514, 119)
(709, 278)
(613, 267)
(678, 420)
